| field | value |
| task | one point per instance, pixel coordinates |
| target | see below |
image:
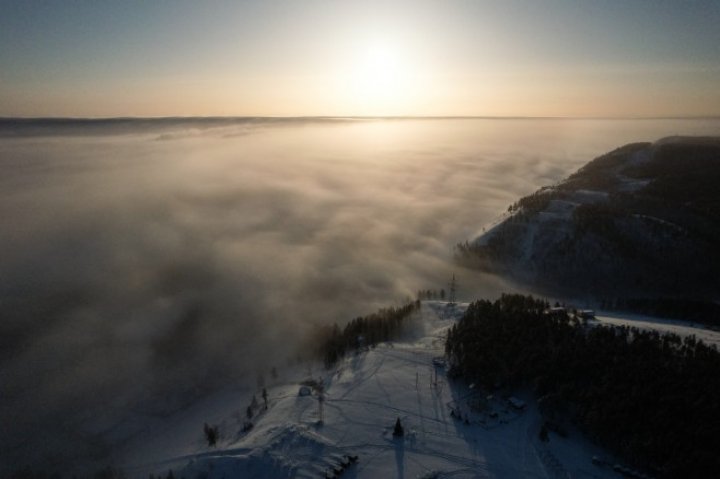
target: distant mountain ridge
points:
(642, 220)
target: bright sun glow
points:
(379, 71)
(382, 80)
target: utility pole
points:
(321, 400)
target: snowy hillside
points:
(446, 433)
(642, 220)
(703, 333)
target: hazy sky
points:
(505, 57)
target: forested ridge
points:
(640, 221)
(651, 399)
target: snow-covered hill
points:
(708, 335)
(642, 220)
(445, 436)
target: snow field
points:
(364, 395)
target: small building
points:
(516, 403)
(556, 312)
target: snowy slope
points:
(681, 328)
(639, 221)
(364, 395)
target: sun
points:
(381, 79)
(379, 71)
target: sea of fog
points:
(143, 263)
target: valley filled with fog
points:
(144, 266)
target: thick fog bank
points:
(141, 269)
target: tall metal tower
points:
(453, 288)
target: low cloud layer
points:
(142, 267)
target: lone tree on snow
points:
(211, 434)
(398, 431)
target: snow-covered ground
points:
(681, 328)
(364, 396)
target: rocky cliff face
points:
(643, 219)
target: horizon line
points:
(357, 117)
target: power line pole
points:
(321, 400)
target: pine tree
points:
(211, 434)
(398, 431)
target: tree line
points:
(651, 399)
(425, 294)
(383, 325)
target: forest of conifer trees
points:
(650, 398)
